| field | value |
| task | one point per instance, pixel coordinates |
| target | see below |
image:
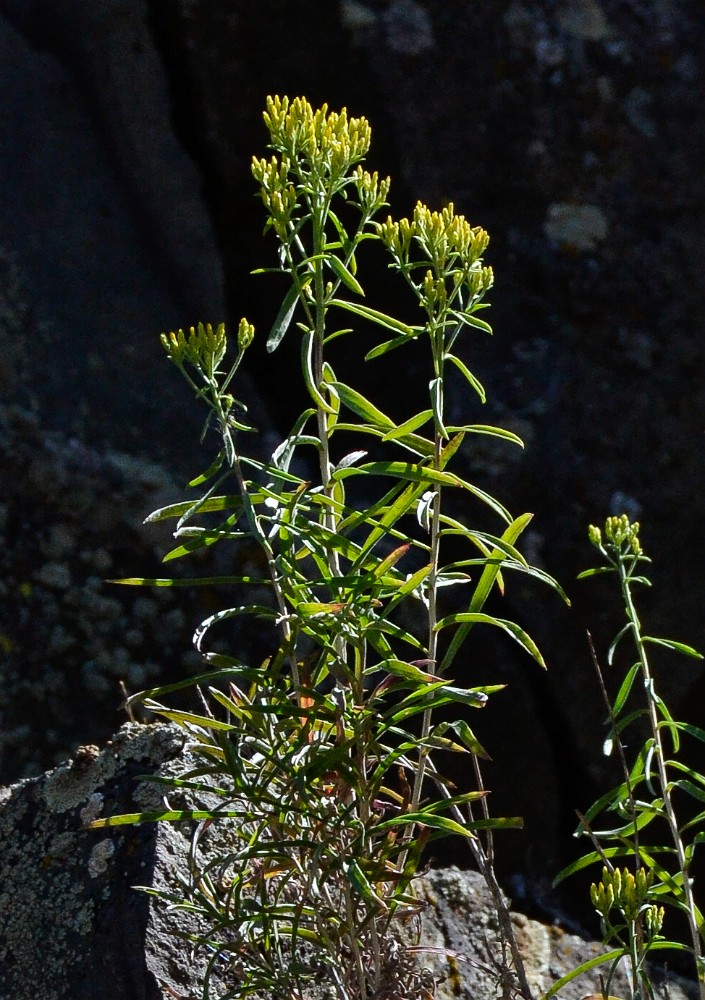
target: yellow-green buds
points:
(619, 888)
(448, 241)
(620, 535)
(602, 897)
(329, 142)
(371, 191)
(245, 334)
(204, 347)
(653, 919)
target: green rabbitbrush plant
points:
(325, 756)
(323, 760)
(648, 802)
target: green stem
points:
(683, 864)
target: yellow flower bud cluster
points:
(204, 346)
(434, 292)
(329, 142)
(629, 894)
(445, 236)
(371, 191)
(620, 534)
(448, 241)
(245, 335)
(278, 194)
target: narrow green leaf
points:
(465, 734)
(226, 502)
(307, 366)
(470, 320)
(348, 279)
(689, 787)
(412, 424)
(610, 956)
(427, 819)
(489, 430)
(197, 581)
(484, 586)
(625, 630)
(590, 859)
(595, 572)
(345, 240)
(283, 319)
(387, 346)
(170, 816)
(200, 538)
(414, 443)
(400, 668)
(351, 459)
(695, 731)
(625, 689)
(214, 467)
(410, 471)
(469, 377)
(511, 628)
(191, 718)
(679, 647)
(356, 402)
(381, 319)
(435, 388)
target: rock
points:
(106, 240)
(71, 921)
(582, 227)
(585, 19)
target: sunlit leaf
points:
(381, 319)
(283, 319)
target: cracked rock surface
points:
(71, 922)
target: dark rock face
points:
(573, 132)
(73, 928)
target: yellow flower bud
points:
(245, 334)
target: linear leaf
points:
(469, 377)
(470, 320)
(214, 467)
(465, 734)
(283, 319)
(616, 641)
(490, 431)
(484, 586)
(410, 471)
(346, 276)
(387, 346)
(511, 628)
(609, 956)
(198, 581)
(356, 402)
(226, 502)
(412, 424)
(380, 318)
(170, 816)
(625, 689)
(680, 647)
(427, 819)
(307, 347)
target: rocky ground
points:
(70, 921)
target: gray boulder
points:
(72, 927)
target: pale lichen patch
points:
(100, 858)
